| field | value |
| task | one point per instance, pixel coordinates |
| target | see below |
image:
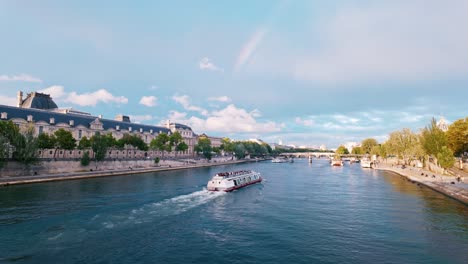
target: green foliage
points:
(457, 136)
(4, 150)
(25, 148)
(405, 144)
(367, 145)
(99, 147)
(445, 158)
(156, 160)
(357, 151)
(376, 150)
(85, 159)
(182, 146)
(227, 145)
(204, 146)
(44, 141)
(341, 150)
(128, 139)
(64, 139)
(433, 139)
(239, 150)
(85, 143)
(161, 143)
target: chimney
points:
(168, 123)
(20, 98)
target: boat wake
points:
(164, 208)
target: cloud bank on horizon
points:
(302, 72)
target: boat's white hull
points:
(366, 164)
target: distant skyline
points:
(303, 72)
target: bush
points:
(85, 159)
(156, 160)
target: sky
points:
(302, 72)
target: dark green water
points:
(302, 213)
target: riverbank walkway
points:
(447, 185)
(12, 180)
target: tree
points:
(44, 141)
(239, 150)
(445, 158)
(433, 139)
(227, 145)
(457, 136)
(357, 151)
(128, 139)
(375, 150)
(64, 139)
(85, 143)
(4, 150)
(99, 147)
(25, 148)
(174, 140)
(405, 144)
(341, 150)
(182, 146)
(204, 146)
(85, 159)
(367, 145)
(161, 143)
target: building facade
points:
(39, 111)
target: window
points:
(80, 133)
(41, 129)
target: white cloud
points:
(207, 64)
(21, 77)
(153, 87)
(91, 99)
(55, 91)
(304, 122)
(148, 100)
(184, 100)
(5, 100)
(223, 99)
(228, 120)
(426, 40)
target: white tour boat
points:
(229, 181)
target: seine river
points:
(302, 213)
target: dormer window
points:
(30, 118)
(117, 127)
(72, 122)
(141, 130)
(4, 115)
(130, 129)
(151, 131)
(52, 120)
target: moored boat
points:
(336, 162)
(229, 181)
(366, 163)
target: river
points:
(301, 213)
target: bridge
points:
(319, 155)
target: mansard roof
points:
(38, 101)
(180, 126)
(84, 120)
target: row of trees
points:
(23, 147)
(240, 149)
(431, 143)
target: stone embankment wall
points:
(128, 153)
(51, 167)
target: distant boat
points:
(280, 160)
(310, 159)
(366, 163)
(336, 161)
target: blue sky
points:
(304, 72)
